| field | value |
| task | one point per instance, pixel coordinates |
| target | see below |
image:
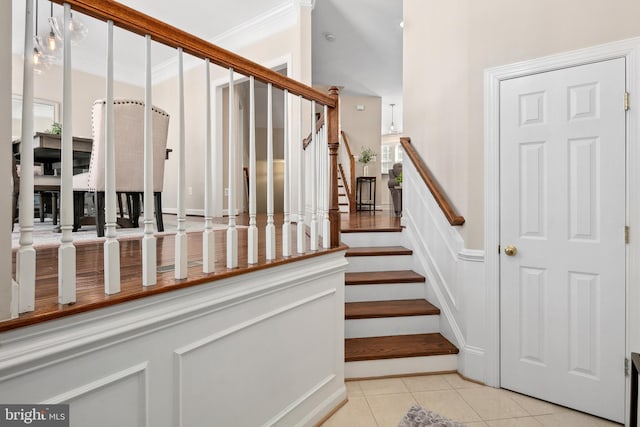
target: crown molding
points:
(261, 26)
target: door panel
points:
(562, 198)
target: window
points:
(391, 153)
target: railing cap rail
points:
(142, 24)
(446, 206)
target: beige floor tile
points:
(491, 403)
(447, 403)
(427, 383)
(457, 381)
(477, 424)
(389, 409)
(384, 386)
(515, 422)
(534, 406)
(573, 419)
(354, 389)
(356, 413)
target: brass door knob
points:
(510, 250)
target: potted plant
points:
(366, 155)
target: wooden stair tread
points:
(373, 229)
(378, 251)
(395, 308)
(382, 277)
(392, 347)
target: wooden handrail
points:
(352, 174)
(139, 23)
(447, 207)
(307, 140)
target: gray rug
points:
(418, 416)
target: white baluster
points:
(286, 226)
(232, 232)
(149, 257)
(111, 245)
(326, 224)
(66, 251)
(26, 256)
(301, 234)
(181, 235)
(270, 231)
(313, 149)
(208, 236)
(252, 250)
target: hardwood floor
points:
(90, 271)
(369, 221)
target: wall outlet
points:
(226, 192)
(190, 191)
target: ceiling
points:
(365, 58)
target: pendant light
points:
(41, 60)
(77, 29)
(392, 128)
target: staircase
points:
(343, 197)
(390, 328)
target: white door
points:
(562, 201)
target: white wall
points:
(264, 348)
(447, 46)
(86, 88)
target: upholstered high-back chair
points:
(128, 117)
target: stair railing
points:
(349, 175)
(323, 195)
(438, 193)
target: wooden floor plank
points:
(382, 277)
(378, 251)
(392, 347)
(395, 308)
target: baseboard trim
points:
(332, 412)
(415, 374)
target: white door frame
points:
(629, 49)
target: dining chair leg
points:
(119, 197)
(54, 208)
(135, 209)
(100, 213)
(78, 209)
(41, 209)
(158, 206)
(14, 210)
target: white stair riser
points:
(384, 238)
(386, 326)
(344, 209)
(401, 366)
(379, 263)
(386, 292)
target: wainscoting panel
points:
(455, 275)
(266, 348)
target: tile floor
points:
(384, 402)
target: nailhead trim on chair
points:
(93, 121)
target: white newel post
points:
(326, 224)
(66, 251)
(301, 232)
(286, 226)
(208, 236)
(270, 230)
(111, 245)
(313, 150)
(252, 250)
(232, 232)
(181, 235)
(26, 256)
(149, 257)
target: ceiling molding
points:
(261, 26)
